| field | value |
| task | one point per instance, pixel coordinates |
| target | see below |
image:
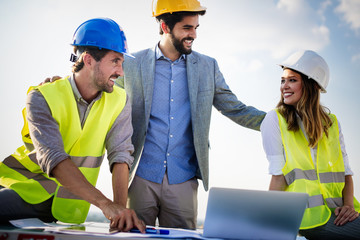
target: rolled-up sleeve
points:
(348, 170)
(272, 143)
(44, 132)
(118, 140)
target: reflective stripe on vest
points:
(327, 182)
(327, 177)
(86, 147)
(318, 200)
(49, 186)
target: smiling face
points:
(107, 70)
(291, 87)
(184, 33)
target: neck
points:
(167, 48)
(87, 91)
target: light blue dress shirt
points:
(169, 142)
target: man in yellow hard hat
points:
(69, 125)
(172, 90)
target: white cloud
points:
(290, 6)
(350, 9)
(323, 6)
(356, 58)
(321, 32)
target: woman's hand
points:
(345, 214)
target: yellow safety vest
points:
(85, 145)
(325, 183)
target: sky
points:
(248, 39)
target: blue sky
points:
(248, 38)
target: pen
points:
(151, 231)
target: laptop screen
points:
(253, 214)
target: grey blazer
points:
(207, 88)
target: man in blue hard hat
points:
(68, 126)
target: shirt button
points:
(171, 135)
(164, 161)
(172, 100)
(168, 154)
(171, 118)
(172, 81)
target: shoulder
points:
(201, 57)
(271, 115)
(333, 117)
(118, 91)
(59, 88)
(143, 52)
(335, 121)
(36, 103)
(204, 63)
(35, 95)
(118, 95)
(139, 55)
(270, 121)
(131, 64)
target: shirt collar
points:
(160, 55)
(74, 88)
(76, 92)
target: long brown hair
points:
(315, 117)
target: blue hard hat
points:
(102, 33)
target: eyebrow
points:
(291, 76)
(188, 25)
(117, 58)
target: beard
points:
(179, 46)
(101, 82)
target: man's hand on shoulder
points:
(52, 79)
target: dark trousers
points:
(329, 231)
(13, 207)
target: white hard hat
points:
(310, 64)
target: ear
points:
(88, 59)
(164, 27)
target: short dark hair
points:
(95, 52)
(171, 19)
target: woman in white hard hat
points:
(306, 151)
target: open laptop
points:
(253, 214)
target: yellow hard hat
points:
(169, 6)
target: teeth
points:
(287, 94)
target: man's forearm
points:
(73, 180)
